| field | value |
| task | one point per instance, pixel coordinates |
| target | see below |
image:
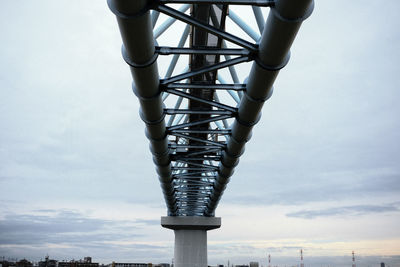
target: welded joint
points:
(236, 156)
(148, 122)
(220, 187)
(214, 200)
(160, 155)
(229, 166)
(272, 67)
(247, 123)
(147, 134)
(259, 100)
(128, 61)
(143, 98)
(165, 179)
(163, 171)
(167, 188)
(229, 160)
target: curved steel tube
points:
(192, 185)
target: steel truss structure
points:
(196, 143)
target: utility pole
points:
(301, 258)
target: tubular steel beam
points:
(236, 86)
(190, 111)
(134, 20)
(202, 131)
(265, 3)
(280, 30)
(193, 164)
(164, 50)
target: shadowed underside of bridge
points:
(199, 120)
(197, 139)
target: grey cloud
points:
(229, 247)
(317, 187)
(67, 227)
(283, 248)
(62, 222)
(155, 201)
(344, 211)
(148, 222)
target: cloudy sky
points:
(321, 172)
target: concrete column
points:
(190, 248)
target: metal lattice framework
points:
(197, 123)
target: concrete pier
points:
(190, 248)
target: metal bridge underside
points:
(196, 142)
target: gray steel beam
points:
(164, 50)
(194, 183)
(134, 20)
(235, 86)
(224, 2)
(279, 32)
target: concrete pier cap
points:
(190, 222)
(190, 249)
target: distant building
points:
(47, 262)
(86, 262)
(382, 264)
(23, 263)
(130, 264)
(64, 264)
(162, 265)
(253, 264)
(5, 263)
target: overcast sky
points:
(321, 172)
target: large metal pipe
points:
(281, 28)
(138, 50)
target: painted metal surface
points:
(196, 151)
